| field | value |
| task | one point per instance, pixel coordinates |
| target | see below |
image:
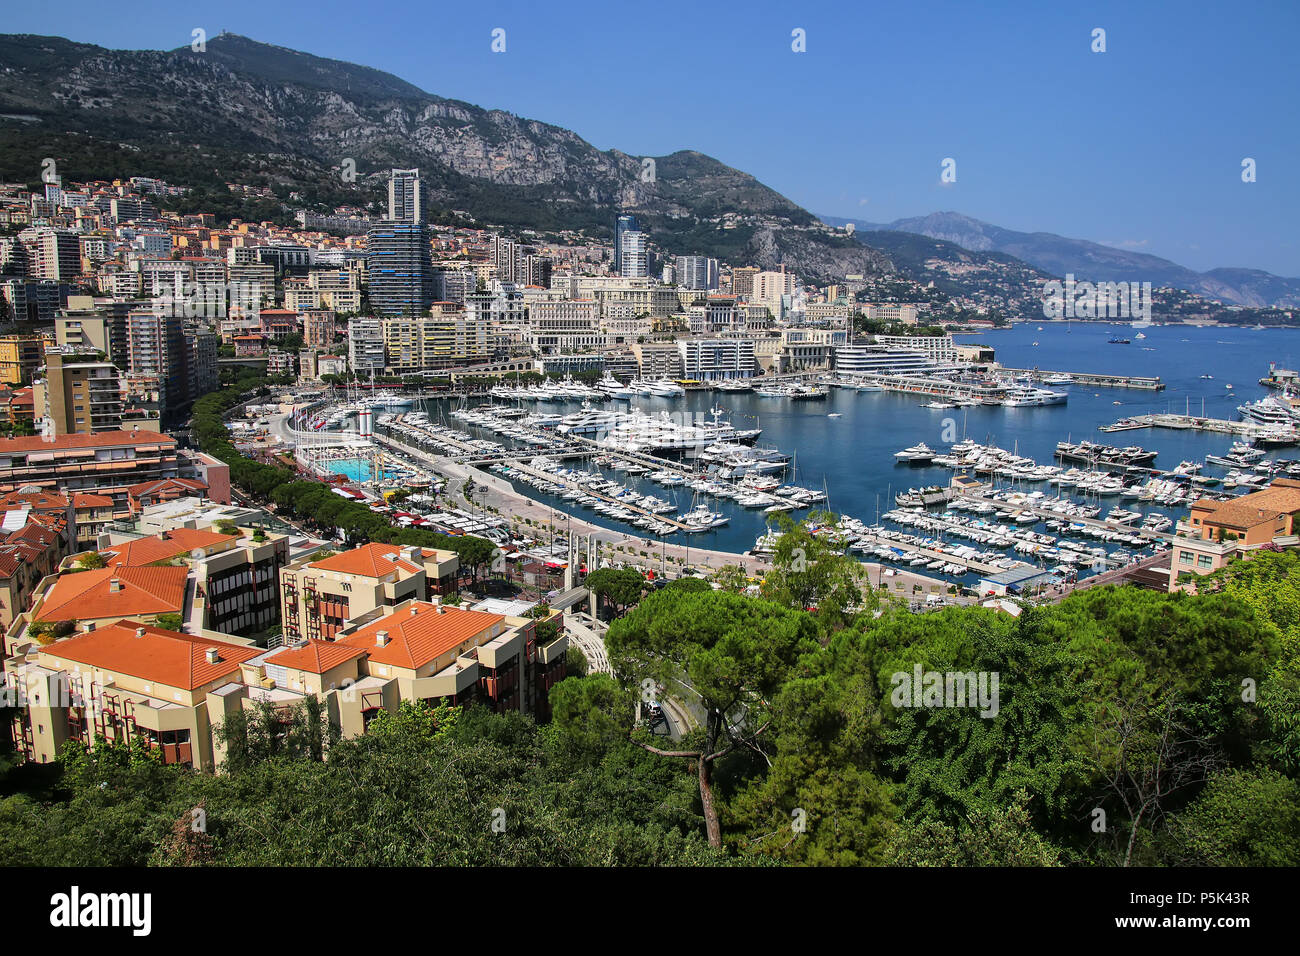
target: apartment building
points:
(54, 254)
(235, 577)
(938, 348)
(157, 349)
(79, 394)
(125, 680)
(711, 360)
(566, 325)
(697, 272)
(321, 596)
(108, 595)
(101, 330)
(658, 359)
(366, 350)
(742, 281)
(20, 357)
(170, 690)
(105, 463)
(92, 514)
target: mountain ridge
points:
(1095, 261)
(296, 118)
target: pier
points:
(1047, 513)
(1242, 429)
(1143, 382)
(970, 564)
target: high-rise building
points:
(634, 255)
(624, 224)
(742, 280)
(203, 377)
(697, 272)
(404, 196)
(400, 267)
(57, 255)
(365, 345)
(80, 394)
(156, 349)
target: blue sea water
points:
(853, 456)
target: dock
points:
(914, 549)
(1146, 383)
(1242, 429)
(1098, 523)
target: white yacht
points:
(920, 454)
(1026, 395)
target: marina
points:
(721, 465)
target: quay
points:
(1244, 429)
(1144, 382)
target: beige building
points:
(320, 598)
(170, 689)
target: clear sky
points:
(1140, 146)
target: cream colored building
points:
(321, 597)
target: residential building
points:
(400, 268)
(404, 199)
(106, 463)
(20, 357)
(622, 224)
(696, 272)
(321, 596)
(716, 359)
(366, 351)
(79, 394)
(126, 680)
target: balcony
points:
(553, 651)
(452, 680)
(500, 650)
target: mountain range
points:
(249, 112)
(243, 108)
(1058, 255)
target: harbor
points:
(710, 471)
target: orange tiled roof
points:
(87, 500)
(416, 639)
(90, 594)
(164, 657)
(35, 500)
(317, 657)
(97, 440)
(370, 560)
(162, 546)
(149, 487)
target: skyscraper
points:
(400, 267)
(624, 224)
(634, 255)
(697, 272)
(404, 196)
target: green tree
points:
(733, 652)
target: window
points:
(1204, 561)
(1184, 557)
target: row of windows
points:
(1202, 560)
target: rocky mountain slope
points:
(248, 108)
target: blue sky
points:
(1140, 146)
